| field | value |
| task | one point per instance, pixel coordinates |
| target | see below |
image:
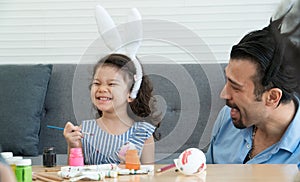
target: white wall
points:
(60, 31)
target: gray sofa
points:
(187, 94)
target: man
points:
(261, 121)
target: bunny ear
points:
(108, 29)
(283, 8)
(289, 12)
(133, 37)
(133, 32)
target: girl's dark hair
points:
(142, 108)
(272, 53)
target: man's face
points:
(239, 94)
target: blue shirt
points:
(231, 145)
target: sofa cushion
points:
(59, 107)
(22, 95)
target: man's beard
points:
(236, 122)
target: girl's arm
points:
(147, 156)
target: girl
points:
(120, 115)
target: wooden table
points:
(214, 173)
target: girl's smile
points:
(103, 100)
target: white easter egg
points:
(191, 161)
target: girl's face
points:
(110, 90)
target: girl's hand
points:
(123, 150)
(72, 135)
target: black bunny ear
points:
(284, 7)
(289, 12)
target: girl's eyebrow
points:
(114, 80)
(111, 80)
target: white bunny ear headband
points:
(133, 36)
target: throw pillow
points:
(22, 95)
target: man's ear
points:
(273, 97)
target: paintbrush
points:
(46, 177)
(60, 128)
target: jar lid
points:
(17, 157)
(49, 149)
(13, 160)
(76, 150)
(7, 155)
(23, 162)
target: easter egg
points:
(191, 161)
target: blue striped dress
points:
(103, 148)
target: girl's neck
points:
(115, 124)
(117, 117)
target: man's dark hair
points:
(274, 56)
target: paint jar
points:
(13, 161)
(6, 155)
(76, 157)
(24, 170)
(49, 157)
